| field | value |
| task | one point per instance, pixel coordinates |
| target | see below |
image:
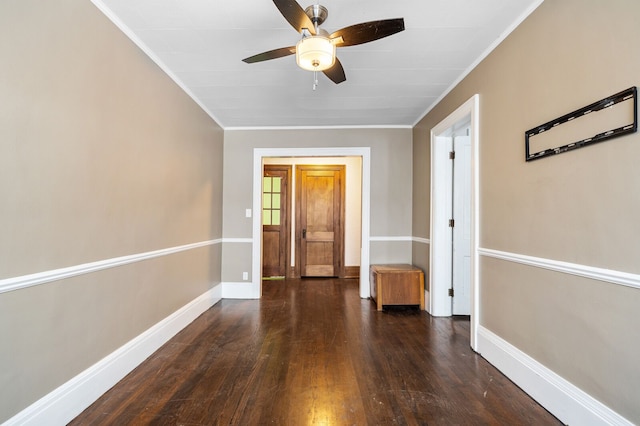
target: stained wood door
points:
(320, 220)
(276, 207)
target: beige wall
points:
(579, 207)
(421, 188)
(101, 156)
(390, 185)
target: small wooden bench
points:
(397, 284)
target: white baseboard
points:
(63, 404)
(240, 290)
(561, 398)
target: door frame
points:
(256, 253)
(439, 302)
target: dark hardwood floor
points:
(311, 352)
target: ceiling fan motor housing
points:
(317, 13)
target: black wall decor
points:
(626, 102)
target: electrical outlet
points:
(245, 276)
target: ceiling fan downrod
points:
(318, 14)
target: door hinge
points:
(452, 155)
(452, 223)
(450, 292)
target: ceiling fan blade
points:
(295, 15)
(367, 31)
(336, 73)
(271, 54)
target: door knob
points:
(304, 233)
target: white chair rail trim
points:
(601, 274)
(421, 240)
(30, 280)
(388, 238)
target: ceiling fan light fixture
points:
(315, 53)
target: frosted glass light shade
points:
(315, 53)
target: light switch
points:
(247, 213)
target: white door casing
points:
(259, 154)
(439, 303)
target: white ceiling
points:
(390, 82)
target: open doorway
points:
(319, 155)
(311, 217)
(454, 216)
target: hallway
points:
(311, 352)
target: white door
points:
(461, 268)
(441, 240)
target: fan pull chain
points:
(315, 80)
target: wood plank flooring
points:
(311, 352)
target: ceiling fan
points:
(316, 51)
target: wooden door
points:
(276, 208)
(320, 220)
